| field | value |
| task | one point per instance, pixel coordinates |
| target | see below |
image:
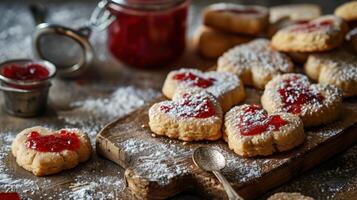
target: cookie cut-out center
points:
(191, 106)
(313, 26)
(31, 71)
(296, 92)
(240, 10)
(194, 80)
(56, 142)
(256, 120)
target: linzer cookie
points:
(315, 103)
(226, 87)
(294, 12)
(337, 68)
(190, 116)
(236, 18)
(347, 11)
(256, 63)
(43, 152)
(321, 34)
(251, 131)
(213, 43)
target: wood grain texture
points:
(158, 167)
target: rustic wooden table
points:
(110, 90)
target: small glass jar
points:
(147, 33)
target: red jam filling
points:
(191, 106)
(194, 80)
(241, 10)
(297, 92)
(31, 71)
(256, 121)
(313, 26)
(9, 196)
(56, 142)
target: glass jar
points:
(147, 33)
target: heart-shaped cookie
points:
(321, 34)
(226, 87)
(337, 68)
(44, 152)
(190, 116)
(251, 131)
(314, 103)
(256, 63)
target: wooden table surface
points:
(99, 178)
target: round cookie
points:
(338, 68)
(347, 11)
(289, 196)
(256, 63)
(190, 116)
(294, 12)
(235, 18)
(251, 131)
(213, 43)
(322, 34)
(315, 103)
(226, 87)
(282, 23)
(43, 152)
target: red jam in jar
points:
(256, 120)
(194, 80)
(30, 71)
(147, 33)
(56, 142)
(191, 106)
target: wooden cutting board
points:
(158, 167)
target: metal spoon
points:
(210, 159)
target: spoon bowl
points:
(208, 159)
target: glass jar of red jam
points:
(147, 33)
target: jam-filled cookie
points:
(251, 131)
(212, 43)
(256, 63)
(294, 12)
(315, 103)
(226, 87)
(347, 11)
(289, 196)
(322, 34)
(236, 18)
(44, 152)
(190, 116)
(337, 68)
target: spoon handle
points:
(231, 193)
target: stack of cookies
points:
(211, 105)
(226, 25)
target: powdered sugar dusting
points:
(162, 161)
(256, 53)
(222, 82)
(196, 105)
(92, 114)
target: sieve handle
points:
(39, 12)
(101, 18)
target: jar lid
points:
(147, 4)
